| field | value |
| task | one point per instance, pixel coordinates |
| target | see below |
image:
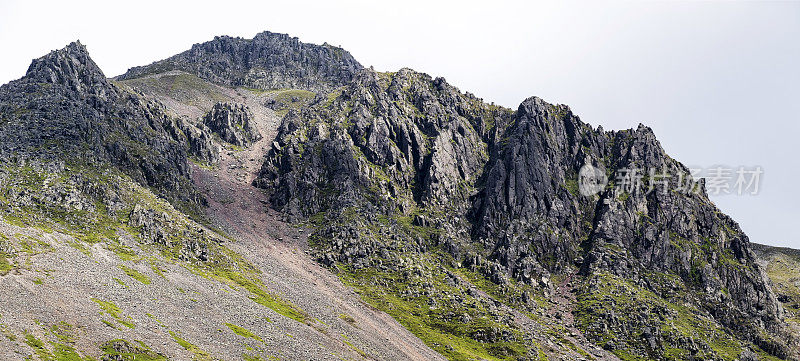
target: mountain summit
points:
(70, 66)
(268, 61)
(270, 199)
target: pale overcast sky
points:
(719, 82)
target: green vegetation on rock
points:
(255, 286)
(610, 311)
(197, 353)
(448, 327)
(135, 274)
(5, 265)
(112, 310)
(241, 331)
(60, 351)
(123, 350)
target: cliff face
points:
(268, 61)
(660, 234)
(404, 138)
(233, 123)
(499, 193)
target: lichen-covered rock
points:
(268, 61)
(233, 123)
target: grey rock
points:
(391, 168)
(408, 138)
(268, 61)
(507, 183)
(233, 123)
(64, 109)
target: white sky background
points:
(719, 82)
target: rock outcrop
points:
(499, 192)
(92, 256)
(537, 222)
(268, 61)
(409, 139)
(65, 110)
(782, 266)
(200, 141)
(233, 123)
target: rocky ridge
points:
(540, 223)
(400, 165)
(65, 111)
(268, 61)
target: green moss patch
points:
(135, 274)
(453, 337)
(359, 351)
(126, 351)
(236, 272)
(241, 331)
(110, 309)
(261, 296)
(60, 352)
(197, 353)
(347, 318)
(5, 265)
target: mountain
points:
(107, 250)
(269, 199)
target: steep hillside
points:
(65, 111)
(95, 263)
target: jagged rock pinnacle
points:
(71, 66)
